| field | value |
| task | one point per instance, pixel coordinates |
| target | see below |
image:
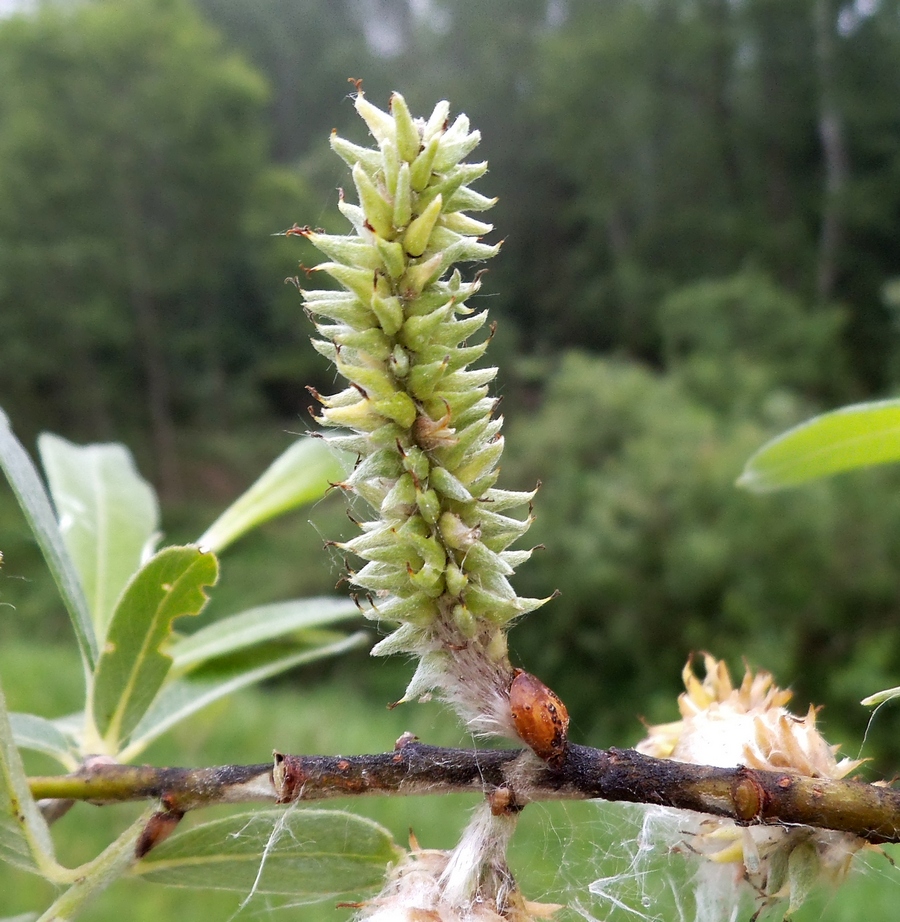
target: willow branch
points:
(511, 778)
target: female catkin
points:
(437, 563)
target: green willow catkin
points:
(422, 423)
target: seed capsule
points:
(540, 717)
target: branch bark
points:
(512, 777)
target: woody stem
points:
(745, 795)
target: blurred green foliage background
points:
(700, 202)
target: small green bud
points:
(408, 140)
(481, 558)
(399, 362)
(375, 381)
(448, 485)
(418, 331)
(417, 463)
(351, 251)
(342, 306)
(429, 506)
(418, 277)
(371, 342)
(456, 579)
(497, 649)
(420, 171)
(508, 499)
(425, 378)
(499, 531)
(389, 552)
(352, 153)
(377, 577)
(389, 312)
(456, 533)
(401, 500)
(403, 197)
(451, 181)
(465, 355)
(353, 213)
(465, 249)
(418, 234)
(465, 621)
(494, 608)
(360, 281)
(429, 549)
(437, 121)
(429, 580)
(377, 209)
(466, 199)
(515, 559)
(372, 483)
(418, 609)
(380, 123)
(463, 224)
(398, 407)
(391, 256)
(329, 350)
(457, 142)
(362, 416)
(491, 447)
(390, 166)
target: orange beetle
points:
(540, 717)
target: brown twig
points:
(749, 797)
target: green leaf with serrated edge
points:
(24, 837)
(861, 435)
(108, 516)
(132, 666)
(255, 626)
(215, 679)
(26, 484)
(42, 735)
(300, 475)
(91, 879)
(298, 852)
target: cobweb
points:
(602, 861)
(606, 863)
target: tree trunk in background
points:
(722, 50)
(834, 152)
(143, 305)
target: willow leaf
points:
(26, 484)
(860, 435)
(300, 475)
(108, 516)
(133, 666)
(305, 853)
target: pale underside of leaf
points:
(108, 516)
(24, 837)
(257, 625)
(881, 697)
(41, 735)
(26, 484)
(91, 879)
(180, 698)
(298, 852)
(301, 474)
